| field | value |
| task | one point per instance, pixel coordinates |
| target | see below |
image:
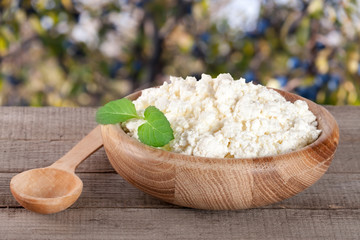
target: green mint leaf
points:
(156, 131)
(116, 111)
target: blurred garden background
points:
(88, 52)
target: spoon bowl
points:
(55, 188)
(46, 190)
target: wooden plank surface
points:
(333, 191)
(135, 223)
(48, 123)
(110, 208)
(20, 155)
(51, 123)
(36, 137)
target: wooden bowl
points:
(222, 183)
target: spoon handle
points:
(89, 144)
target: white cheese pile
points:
(223, 117)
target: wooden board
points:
(110, 208)
(36, 137)
(50, 123)
(20, 155)
(137, 223)
(333, 191)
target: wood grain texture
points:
(20, 155)
(110, 208)
(218, 183)
(56, 187)
(46, 190)
(47, 123)
(54, 123)
(109, 190)
(21, 151)
(181, 224)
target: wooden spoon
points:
(55, 188)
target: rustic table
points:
(110, 208)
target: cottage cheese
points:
(223, 117)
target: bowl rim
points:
(323, 137)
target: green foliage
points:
(116, 111)
(156, 131)
(69, 53)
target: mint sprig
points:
(116, 111)
(155, 132)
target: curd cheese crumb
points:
(223, 117)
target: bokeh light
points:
(85, 53)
